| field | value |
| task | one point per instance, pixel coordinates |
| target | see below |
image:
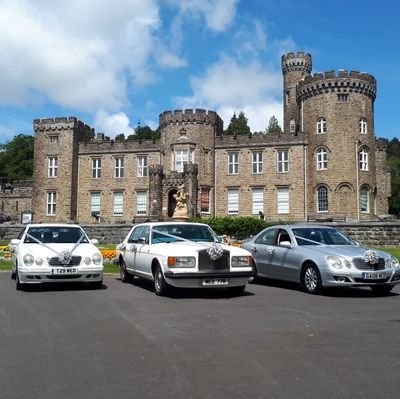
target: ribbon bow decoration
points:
(371, 257)
(215, 251)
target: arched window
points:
(292, 126)
(322, 159)
(364, 199)
(363, 126)
(321, 125)
(322, 197)
(363, 159)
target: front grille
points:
(63, 276)
(75, 261)
(360, 264)
(367, 281)
(206, 264)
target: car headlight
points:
(39, 261)
(242, 261)
(28, 259)
(97, 259)
(336, 262)
(181, 261)
(392, 262)
(87, 260)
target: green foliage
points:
(240, 227)
(238, 125)
(120, 137)
(144, 133)
(16, 158)
(394, 201)
(273, 125)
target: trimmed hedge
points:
(240, 227)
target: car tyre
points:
(382, 290)
(13, 274)
(160, 285)
(18, 285)
(236, 291)
(96, 285)
(123, 273)
(311, 279)
(254, 279)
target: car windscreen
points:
(175, 232)
(320, 236)
(51, 235)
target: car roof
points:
(52, 225)
(308, 226)
(170, 223)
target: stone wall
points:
(372, 234)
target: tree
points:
(144, 133)
(120, 137)
(16, 158)
(393, 151)
(238, 125)
(273, 125)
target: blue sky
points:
(114, 63)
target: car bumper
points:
(37, 276)
(358, 278)
(208, 280)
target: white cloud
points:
(228, 87)
(112, 124)
(6, 134)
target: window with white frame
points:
(52, 167)
(51, 203)
(292, 126)
(283, 199)
(119, 167)
(233, 201)
(364, 199)
(322, 159)
(96, 168)
(118, 208)
(233, 163)
(363, 126)
(205, 200)
(321, 125)
(142, 168)
(182, 157)
(363, 159)
(257, 200)
(322, 199)
(141, 202)
(95, 203)
(257, 162)
(283, 161)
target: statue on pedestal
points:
(181, 211)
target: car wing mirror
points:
(95, 241)
(285, 244)
(142, 240)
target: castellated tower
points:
(336, 112)
(295, 67)
(55, 178)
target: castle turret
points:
(295, 67)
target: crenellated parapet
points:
(296, 62)
(340, 82)
(189, 116)
(381, 144)
(58, 124)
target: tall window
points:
(363, 159)
(141, 202)
(283, 199)
(283, 161)
(118, 203)
(258, 200)
(233, 163)
(182, 157)
(321, 125)
(322, 194)
(119, 167)
(52, 167)
(53, 139)
(364, 199)
(95, 203)
(142, 169)
(205, 200)
(257, 162)
(363, 126)
(322, 159)
(342, 98)
(233, 201)
(51, 203)
(96, 168)
(292, 126)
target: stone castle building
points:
(326, 164)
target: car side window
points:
(267, 238)
(282, 235)
(135, 235)
(146, 234)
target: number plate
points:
(64, 270)
(373, 276)
(215, 281)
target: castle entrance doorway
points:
(171, 202)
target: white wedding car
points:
(47, 253)
(185, 255)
